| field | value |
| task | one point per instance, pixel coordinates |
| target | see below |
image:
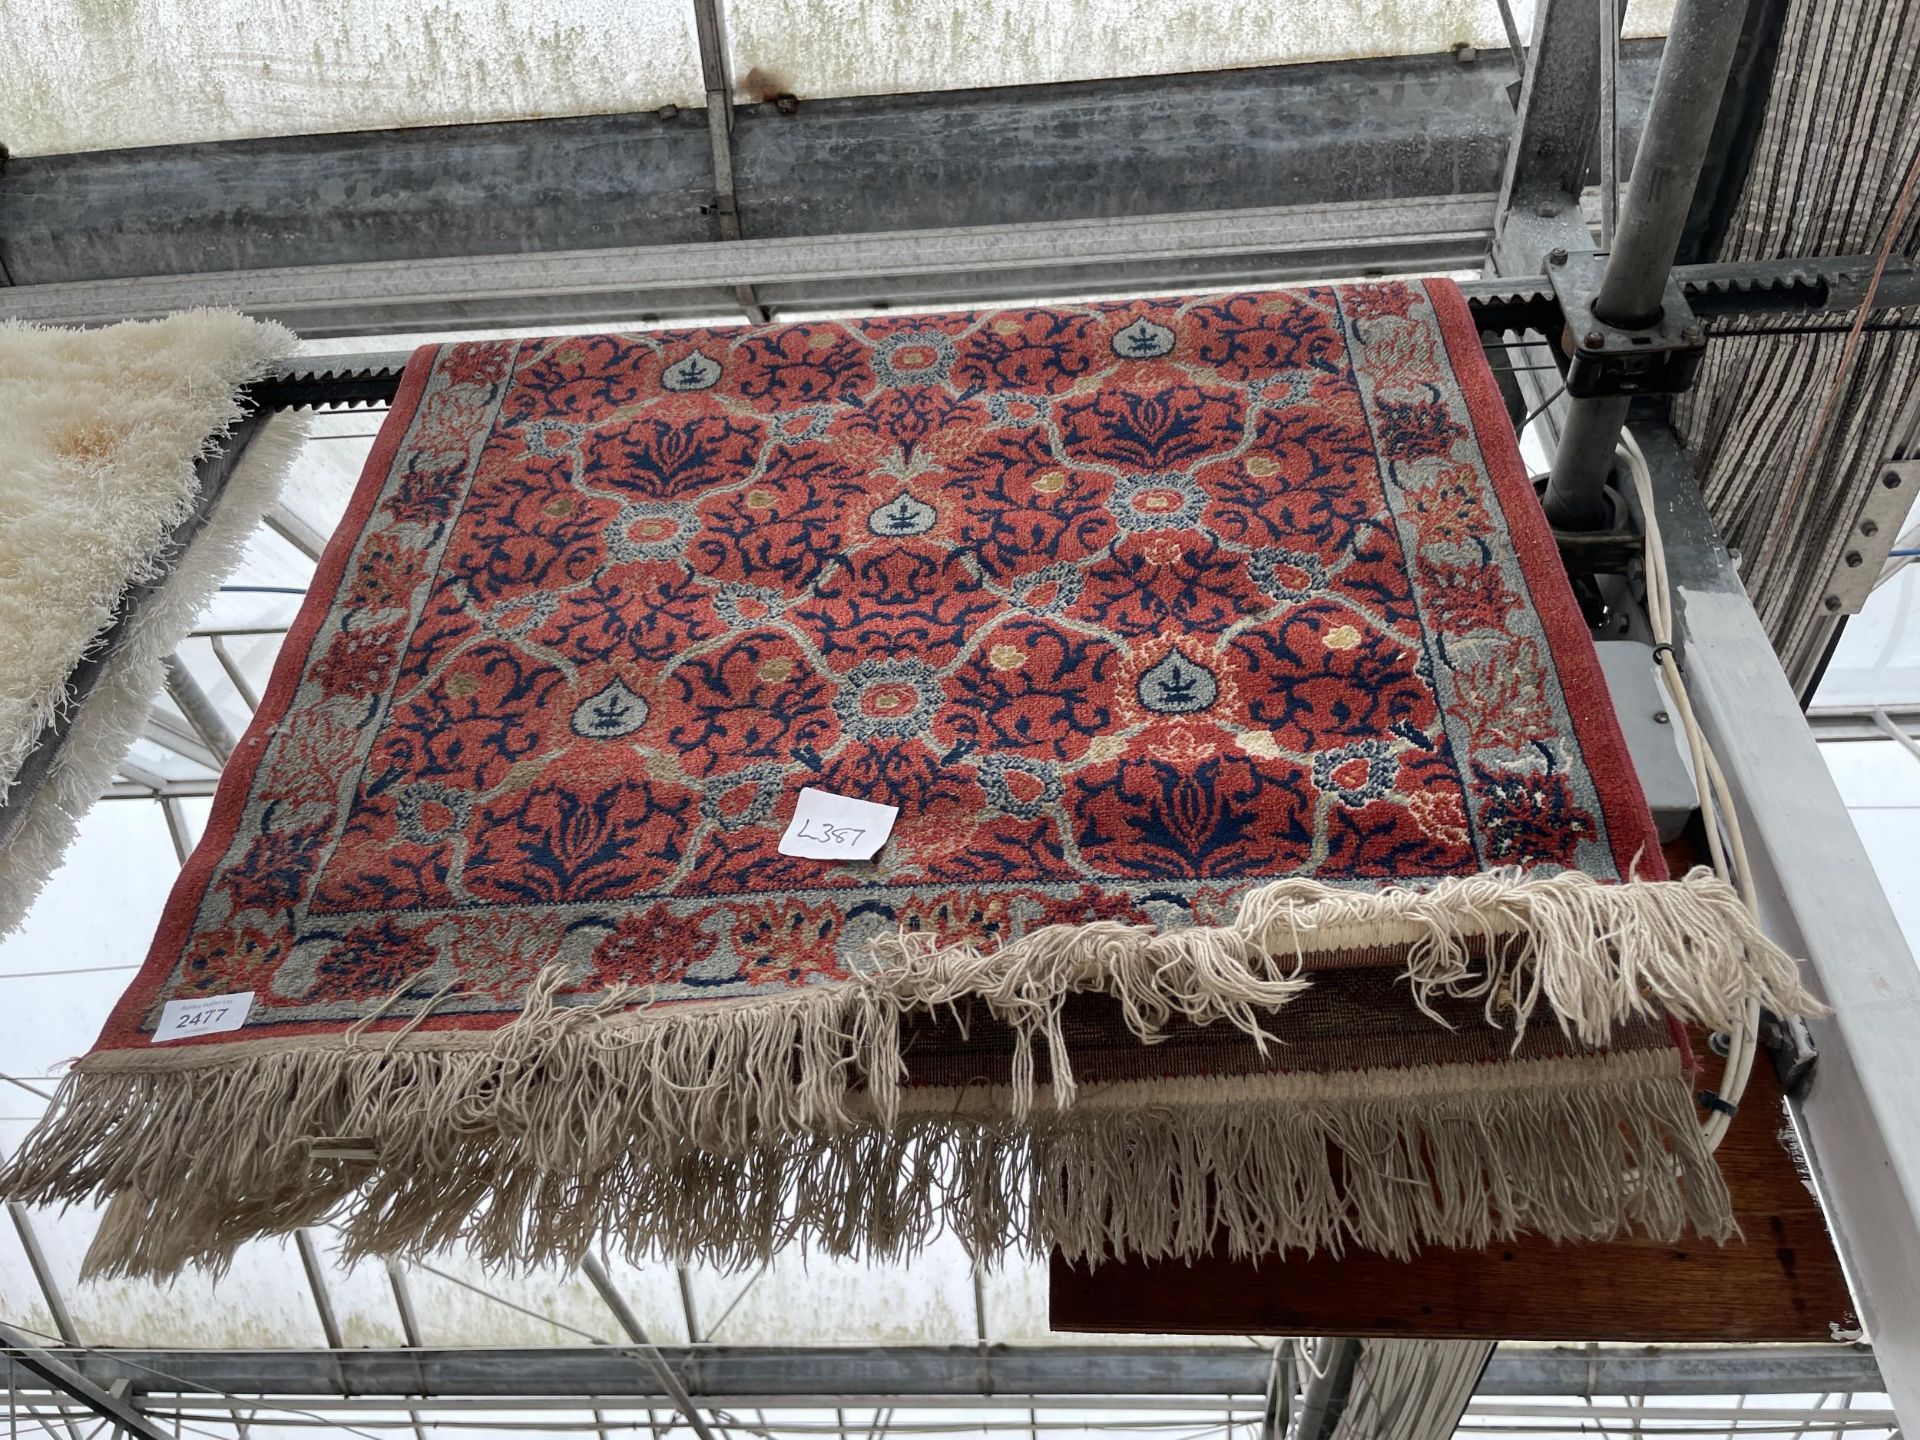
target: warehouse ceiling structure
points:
(389, 170)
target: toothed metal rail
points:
(1809, 287)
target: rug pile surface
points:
(100, 435)
(1268, 869)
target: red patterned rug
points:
(1255, 784)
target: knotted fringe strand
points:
(529, 1139)
(1607, 1146)
(1598, 954)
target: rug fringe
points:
(1160, 1173)
(725, 1129)
(1598, 954)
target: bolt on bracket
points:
(1603, 359)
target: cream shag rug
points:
(100, 433)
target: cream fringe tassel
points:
(725, 1129)
(1598, 954)
(1611, 1146)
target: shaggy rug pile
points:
(1266, 867)
(100, 434)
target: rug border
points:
(1603, 745)
(236, 780)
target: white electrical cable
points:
(1717, 809)
(1304, 1353)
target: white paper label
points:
(208, 1015)
(826, 826)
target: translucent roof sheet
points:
(105, 74)
(822, 48)
(102, 74)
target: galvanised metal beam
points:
(60, 1377)
(158, 789)
(179, 738)
(1539, 207)
(202, 714)
(43, 1273)
(1686, 103)
(669, 1379)
(1803, 287)
(1359, 130)
(1819, 898)
(315, 1269)
(1839, 723)
(857, 270)
(865, 1374)
(1546, 165)
(712, 34)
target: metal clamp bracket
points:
(1604, 359)
(1862, 565)
(1790, 1046)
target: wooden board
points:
(1783, 1282)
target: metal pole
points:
(623, 1312)
(687, 1307)
(311, 1263)
(199, 708)
(692, 1314)
(711, 30)
(176, 818)
(1514, 47)
(1686, 100)
(64, 1378)
(50, 1288)
(235, 673)
(1609, 121)
(1325, 1398)
(980, 1331)
(43, 1273)
(409, 1328)
(1576, 490)
(296, 532)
